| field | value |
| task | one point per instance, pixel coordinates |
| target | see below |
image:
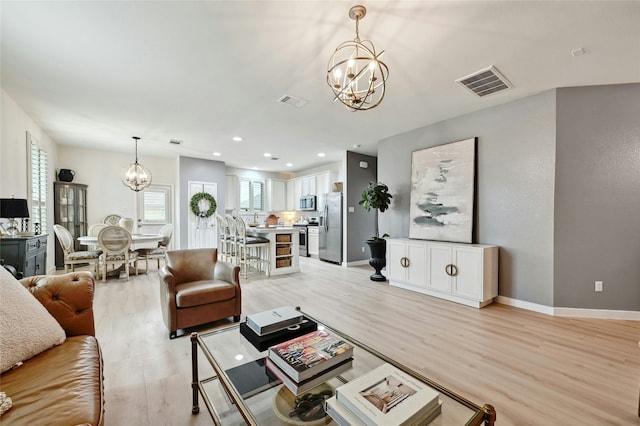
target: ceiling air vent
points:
(175, 142)
(484, 82)
(292, 100)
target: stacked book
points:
(385, 396)
(309, 360)
(275, 326)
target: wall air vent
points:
(175, 142)
(292, 100)
(484, 82)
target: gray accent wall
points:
(515, 187)
(558, 189)
(196, 169)
(360, 225)
(597, 199)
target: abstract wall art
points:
(442, 192)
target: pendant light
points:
(355, 72)
(136, 176)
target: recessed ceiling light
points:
(266, 154)
(321, 154)
(216, 154)
(237, 139)
(289, 164)
(577, 52)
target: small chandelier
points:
(355, 73)
(136, 176)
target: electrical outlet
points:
(599, 286)
(363, 249)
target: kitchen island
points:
(284, 248)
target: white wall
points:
(100, 169)
(13, 158)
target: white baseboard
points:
(357, 263)
(570, 312)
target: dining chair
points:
(126, 223)
(115, 242)
(111, 219)
(93, 231)
(251, 250)
(158, 252)
(72, 257)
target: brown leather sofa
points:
(196, 288)
(63, 385)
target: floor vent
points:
(484, 82)
(292, 100)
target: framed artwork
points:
(442, 192)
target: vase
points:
(378, 259)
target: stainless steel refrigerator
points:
(331, 228)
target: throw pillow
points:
(5, 403)
(26, 327)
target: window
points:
(38, 166)
(154, 206)
(251, 195)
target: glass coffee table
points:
(228, 403)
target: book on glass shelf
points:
(309, 355)
(344, 417)
(252, 378)
(298, 388)
(387, 396)
(273, 320)
(262, 343)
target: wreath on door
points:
(195, 205)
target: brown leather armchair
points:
(196, 288)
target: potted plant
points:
(376, 196)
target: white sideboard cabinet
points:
(463, 273)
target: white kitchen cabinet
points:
(313, 240)
(308, 185)
(463, 273)
(291, 198)
(276, 195)
(297, 193)
(323, 186)
(231, 199)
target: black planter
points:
(378, 259)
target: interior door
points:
(202, 230)
(154, 208)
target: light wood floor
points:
(535, 369)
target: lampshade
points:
(136, 176)
(11, 208)
(355, 72)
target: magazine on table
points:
(387, 396)
(344, 417)
(308, 355)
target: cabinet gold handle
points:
(404, 262)
(451, 270)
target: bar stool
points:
(232, 238)
(251, 250)
(223, 233)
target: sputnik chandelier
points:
(136, 176)
(355, 73)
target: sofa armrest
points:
(227, 272)
(68, 298)
(167, 277)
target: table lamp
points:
(11, 208)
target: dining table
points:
(137, 241)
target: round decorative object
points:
(195, 204)
(284, 402)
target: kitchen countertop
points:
(262, 229)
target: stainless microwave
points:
(308, 202)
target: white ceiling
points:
(96, 73)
